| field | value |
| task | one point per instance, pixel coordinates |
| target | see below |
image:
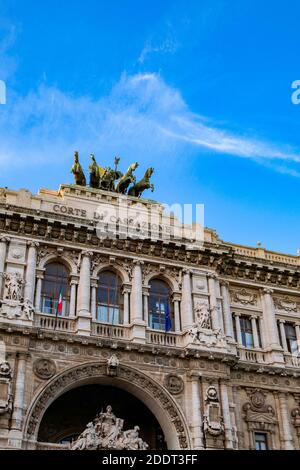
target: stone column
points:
(226, 309)
(94, 285)
(283, 336)
(196, 415)
(297, 329)
(146, 305)
(226, 415)
(187, 317)
(238, 329)
(262, 332)
(215, 320)
(18, 404)
(73, 288)
(271, 327)
(126, 292)
(285, 421)
(30, 273)
(84, 294)
(138, 331)
(3, 250)
(254, 331)
(176, 300)
(269, 318)
(38, 290)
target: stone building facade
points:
(225, 374)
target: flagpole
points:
(59, 306)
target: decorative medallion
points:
(174, 384)
(44, 368)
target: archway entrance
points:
(69, 414)
(138, 384)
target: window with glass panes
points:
(246, 331)
(261, 441)
(159, 305)
(109, 298)
(291, 338)
(56, 280)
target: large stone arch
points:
(150, 392)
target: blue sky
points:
(201, 90)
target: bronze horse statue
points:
(103, 178)
(126, 179)
(78, 171)
(96, 173)
(107, 181)
(137, 189)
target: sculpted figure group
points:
(106, 432)
(111, 179)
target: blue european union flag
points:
(168, 323)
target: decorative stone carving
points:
(5, 388)
(285, 303)
(174, 384)
(213, 421)
(106, 432)
(112, 366)
(258, 414)
(5, 370)
(46, 251)
(244, 297)
(202, 315)
(44, 368)
(13, 287)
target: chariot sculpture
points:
(111, 179)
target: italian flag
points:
(60, 304)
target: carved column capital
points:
(33, 244)
(224, 283)
(186, 271)
(137, 262)
(4, 239)
(267, 290)
(87, 253)
(212, 276)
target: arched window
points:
(160, 306)
(109, 298)
(56, 280)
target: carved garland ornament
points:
(244, 297)
(74, 375)
(285, 303)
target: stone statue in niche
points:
(13, 287)
(106, 432)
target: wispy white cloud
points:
(142, 116)
(169, 46)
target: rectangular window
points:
(234, 327)
(258, 332)
(261, 441)
(246, 330)
(291, 338)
